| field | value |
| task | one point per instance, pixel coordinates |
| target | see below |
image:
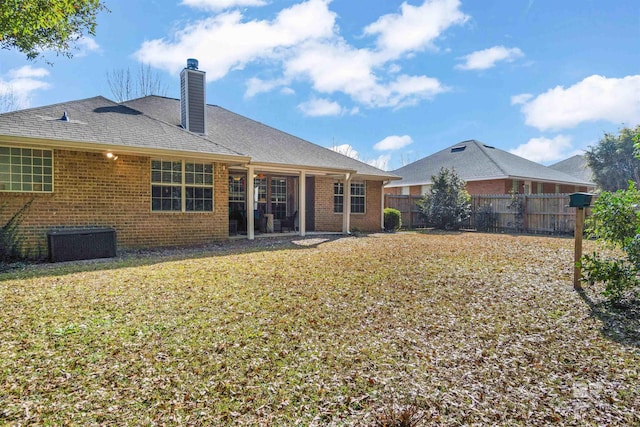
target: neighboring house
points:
(487, 170)
(575, 166)
(168, 172)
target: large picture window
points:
(358, 197)
(180, 186)
(26, 170)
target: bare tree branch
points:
(125, 86)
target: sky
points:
(385, 81)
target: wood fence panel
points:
(533, 213)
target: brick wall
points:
(496, 186)
(90, 190)
(327, 220)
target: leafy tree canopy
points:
(613, 162)
(448, 204)
(32, 26)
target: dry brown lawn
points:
(463, 329)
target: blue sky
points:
(387, 81)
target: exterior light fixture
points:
(111, 156)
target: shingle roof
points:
(103, 122)
(264, 144)
(576, 166)
(476, 161)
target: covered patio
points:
(269, 200)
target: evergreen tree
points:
(448, 204)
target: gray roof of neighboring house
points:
(105, 123)
(264, 144)
(476, 161)
(576, 166)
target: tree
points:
(8, 100)
(32, 26)
(613, 162)
(125, 86)
(448, 204)
(615, 222)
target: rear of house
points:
(167, 172)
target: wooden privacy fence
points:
(532, 213)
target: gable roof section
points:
(103, 124)
(263, 144)
(576, 166)
(476, 161)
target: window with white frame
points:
(358, 197)
(181, 186)
(279, 198)
(338, 197)
(26, 170)
(358, 193)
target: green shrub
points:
(392, 219)
(615, 222)
(448, 204)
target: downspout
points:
(382, 203)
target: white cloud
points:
(393, 142)
(592, 99)
(320, 107)
(341, 68)
(86, 45)
(546, 149)
(487, 58)
(216, 5)
(21, 83)
(415, 27)
(303, 42)
(226, 41)
(521, 98)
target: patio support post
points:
(346, 209)
(382, 205)
(302, 204)
(250, 202)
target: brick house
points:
(486, 170)
(169, 172)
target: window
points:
(338, 197)
(26, 170)
(237, 194)
(179, 186)
(279, 198)
(358, 197)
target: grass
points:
(449, 329)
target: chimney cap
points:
(192, 64)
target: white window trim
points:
(183, 185)
(21, 173)
(351, 198)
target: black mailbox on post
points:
(580, 200)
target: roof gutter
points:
(97, 147)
